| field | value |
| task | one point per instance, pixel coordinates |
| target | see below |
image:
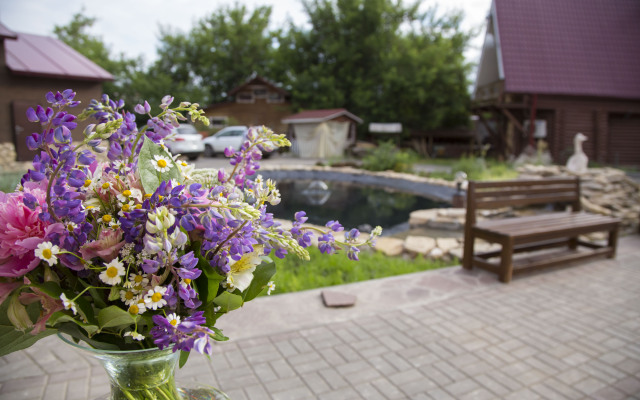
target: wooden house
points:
(31, 66)
(256, 102)
(571, 66)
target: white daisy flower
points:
(241, 272)
(114, 270)
(137, 308)
(128, 297)
(47, 251)
(271, 286)
(124, 196)
(114, 224)
(138, 281)
(71, 226)
(68, 304)
(134, 335)
(161, 163)
(104, 188)
(153, 299)
(173, 319)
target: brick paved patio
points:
(568, 333)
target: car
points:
(185, 140)
(231, 136)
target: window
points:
(245, 97)
(275, 97)
(218, 122)
(260, 93)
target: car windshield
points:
(187, 129)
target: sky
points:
(132, 26)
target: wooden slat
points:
(525, 192)
(524, 201)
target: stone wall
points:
(606, 191)
(8, 161)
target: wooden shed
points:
(31, 66)
(322, 133)
(571, 66)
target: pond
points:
(354, 205)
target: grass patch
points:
(9, 180)
(478, 169)
(295, 275)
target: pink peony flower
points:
(21, 231)
(49, 306)
(106, 247)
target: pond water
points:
(354, 205)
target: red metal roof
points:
(311, 116)
(570, 47)
(35, 55)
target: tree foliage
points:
(129, 73)
(383, 60)
(380, 59)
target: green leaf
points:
(114, 294)
(49, 288)
(149, 176)
(261, 276)
(12, 339)
(114, 316)
(184, 356)
(60, 318)
(74, 331)
(219, 336)
(228, 301)
(208, 283)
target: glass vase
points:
(147, 374)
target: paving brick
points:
(316, 382)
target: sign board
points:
(384, 127)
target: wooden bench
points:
(535, 232)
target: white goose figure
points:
(577, 163)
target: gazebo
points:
(322, 133)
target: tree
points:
(381, 60)
(218, 54)
(130, 80)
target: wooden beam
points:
(512, 119)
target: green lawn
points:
(295, 275)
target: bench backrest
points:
(524, 192)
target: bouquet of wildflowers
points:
(138, 250)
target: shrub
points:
(388, 157)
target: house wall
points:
(258, 113)
(21, 92)
(592, 117)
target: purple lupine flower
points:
(334, 226)
(326, 244)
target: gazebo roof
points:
(311, 116)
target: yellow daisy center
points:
(148, 195)
(46, 253)
(128, 295)
(138, 279)
(87, 183)
(138, 206)
(70, 227)
(187, 281)
(162, 163)
(106, 218)
(174, 322)
(134, 309)
(126, 193)
(156, 297)
(126, 207)
(105, 185)
(160, 197)
(112, 272)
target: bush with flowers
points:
(140, 250)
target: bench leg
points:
(573, 243)
(506, 261)
(613, 242)
(467, 256)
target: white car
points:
(186, 141)
(231, 136)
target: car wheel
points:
(208, 151)
(193, 157)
